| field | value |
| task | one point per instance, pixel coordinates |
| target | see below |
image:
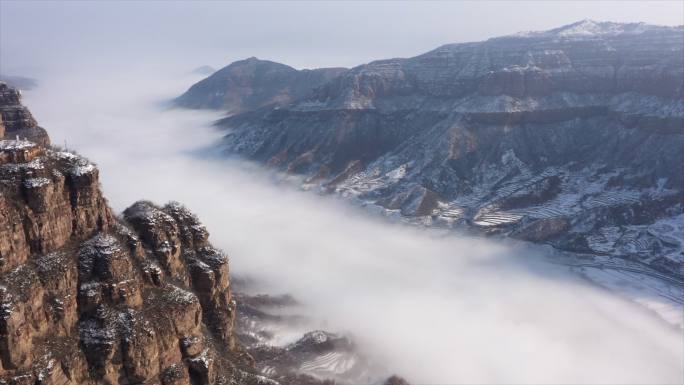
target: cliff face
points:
(252, 83)
(571, 137)
(88, 298)
(16, 121)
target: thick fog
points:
(436, 309)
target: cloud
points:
(436, 308)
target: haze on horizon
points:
(39, 37)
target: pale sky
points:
(36, 37)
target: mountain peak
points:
(254, 60)
(251, 59)
(253, 83)
(589, 27)
(592, 27)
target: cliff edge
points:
(89, 298)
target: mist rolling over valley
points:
(434, 306)
(341, 193)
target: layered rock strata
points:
(572, 137)
(16, 122)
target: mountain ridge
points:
(571, 141)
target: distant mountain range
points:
(572, 137)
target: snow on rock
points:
(13, 145)
(36, 182)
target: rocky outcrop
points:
(317, 358)
(16, 122)
(181, 245)
(48, 199)
(252, 83)
(571, 137)
(88, 298)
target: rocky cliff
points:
(572, 137)
(15, 120)
(252, 83)
(89, 298)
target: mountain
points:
(252, 83)
(572, 137)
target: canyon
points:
(570, 137)
(319, 291)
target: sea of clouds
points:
(434, 308)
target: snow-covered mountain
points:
(591, 28)
(572, 137)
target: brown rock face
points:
(181, 248)
(16, 120)
(107, 304)
(43, 207)
(86, 298)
